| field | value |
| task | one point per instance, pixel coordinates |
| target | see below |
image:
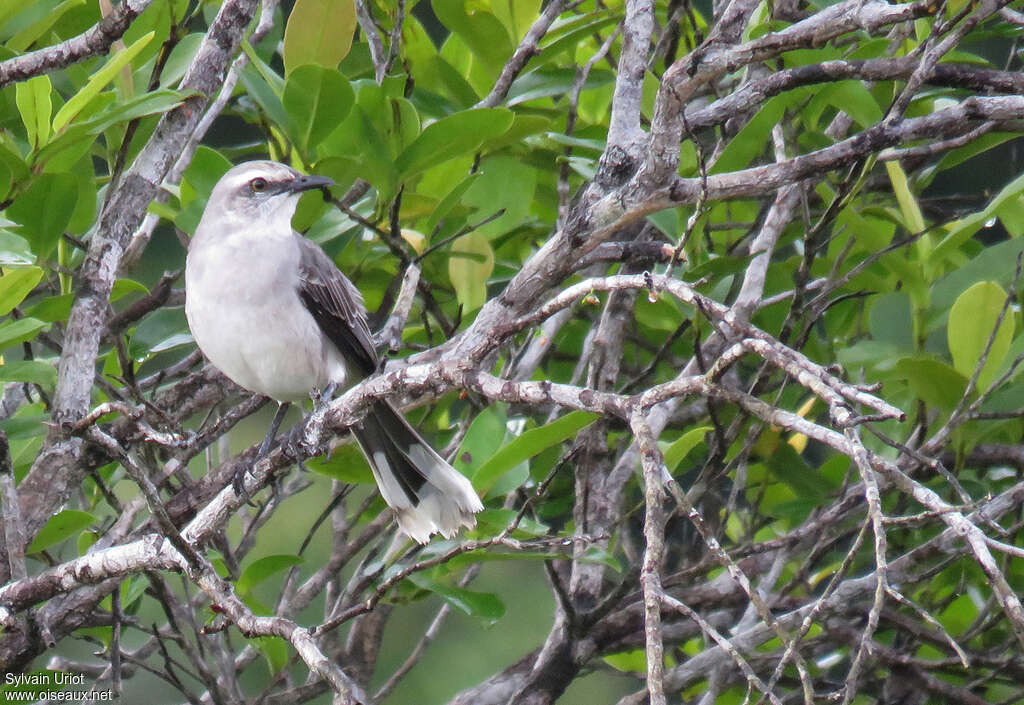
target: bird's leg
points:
(239, 481)
(282, 409)
(292, 443)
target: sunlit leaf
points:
(319, 32)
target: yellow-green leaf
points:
(319, 32)
(33, 99)
(971, 322)
(98, 81)
(912, 218)
(15, 285)
(471, 263)
(30, 34)
(681, 447)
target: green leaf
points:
(529, 444)
(33, 99)
(45, 209)
(264, 86)
(470, 265)
(357, 138)
(971, 322)
(29, 35)
(14, 250)
(262, 569)
(484, 605)
(98, 81)
(681, 447)
(486, 432)
(274, 650)
(787, 465)
(449, 201)
(506, 183)
(890, 319)
(318, 32)
(960, 230)
(61, 526)
(913, 220)
(346, 464)
(14, 332)
(146, 104)
(451, 137)
(35, 371)
(751, 139)
(935, 382)
(634, 661)
(317, 100)
(15, 285)
(481, 31)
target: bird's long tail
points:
(427, 493)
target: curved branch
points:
(95, 40)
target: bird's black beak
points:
(305, 182)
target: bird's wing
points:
(336, 305)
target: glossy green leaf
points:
(972, 321)
(14, 250)
(959, 231)
(17, 331)
(345, 464)
(449, 201)
(274, 650)
(15, 285)
(506, 183)
(29, 35)
(452, 136)
(634, 661)
(317, 99)
(44, 210)
(753, 137)
(681, 447)
(319, 32)
(358, 138)
(935, 382)
(97, 82)
(787, 465)
(33, 99)
(481, 31)
(528, 444)
(484, 605)
(152, 103)
(913, 220)
(469, 267)
(516, 15)
(262, 569)
(61, 526)
(35, 371)
(486, 432)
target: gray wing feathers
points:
(336, 305)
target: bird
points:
(271, 310)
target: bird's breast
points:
(245, 315)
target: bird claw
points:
(322, 397)
(238, 484)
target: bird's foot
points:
(295, 447)
(322, 397)
(238, 483)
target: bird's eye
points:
(258, 184)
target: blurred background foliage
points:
(426, 175)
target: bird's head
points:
(264, 190)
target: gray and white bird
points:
(270, 309)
